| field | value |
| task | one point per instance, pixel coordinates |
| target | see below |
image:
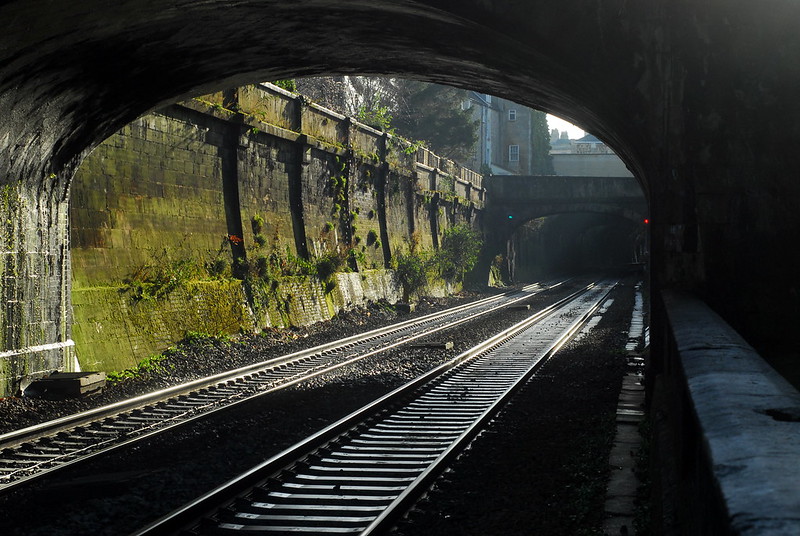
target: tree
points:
(541, 161)
(417, 111)
(432, 113)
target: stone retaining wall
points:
(233, 179)
(113, 331)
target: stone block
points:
(405, 308)
(740, 404)
(67, 384)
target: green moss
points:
(372, 238)
(111, 333)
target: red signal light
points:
(646, 221)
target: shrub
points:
(257, 223)
(156, 281)
(459, 252)
(287, 84)
(217, 268)
(411, 270)
(328, 264)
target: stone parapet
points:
(735, 427)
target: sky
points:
(556, 122)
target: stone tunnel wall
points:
(250, 174)
(35, 273)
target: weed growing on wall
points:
(158, 280)
(372, 237)
(218, 268)
(288, 84)
(328, 264)
(446, 183)
(373, 113)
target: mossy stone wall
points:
(35, 336)
(152, 193)
(228, 180)
(113, 332)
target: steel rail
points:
(137, 427)
(238, 487)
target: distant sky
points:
(556, 122)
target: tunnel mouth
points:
(573, 243)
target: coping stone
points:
(745, 411)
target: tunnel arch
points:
(632, 215)
(689, 95)
(574, 241)
(110, 65)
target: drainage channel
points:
(30, 453)
(358, 475)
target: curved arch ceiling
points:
(74, 73)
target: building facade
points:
(506, 140)
(585, 157)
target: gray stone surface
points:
(735, 396)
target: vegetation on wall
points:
(157, 280)
(457, 255)
(376, 114)
(270, 263)
(430, 113)
(192, 283)
(288, 84)
(459, 252)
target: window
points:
(512, 115)
(513, 153)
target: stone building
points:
(505, 141)
(584, 157)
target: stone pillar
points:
(35, 281)
(380, 188)
(301, 161)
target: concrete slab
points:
(744, 411)
(67, 384)
(627, 434)
(622, 462)
(619, 507)
(624, 486)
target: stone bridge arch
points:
(687, 93)
(514, 200)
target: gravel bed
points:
(550, 446)
(121, 491)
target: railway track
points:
(359, 474)
(32, 452)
